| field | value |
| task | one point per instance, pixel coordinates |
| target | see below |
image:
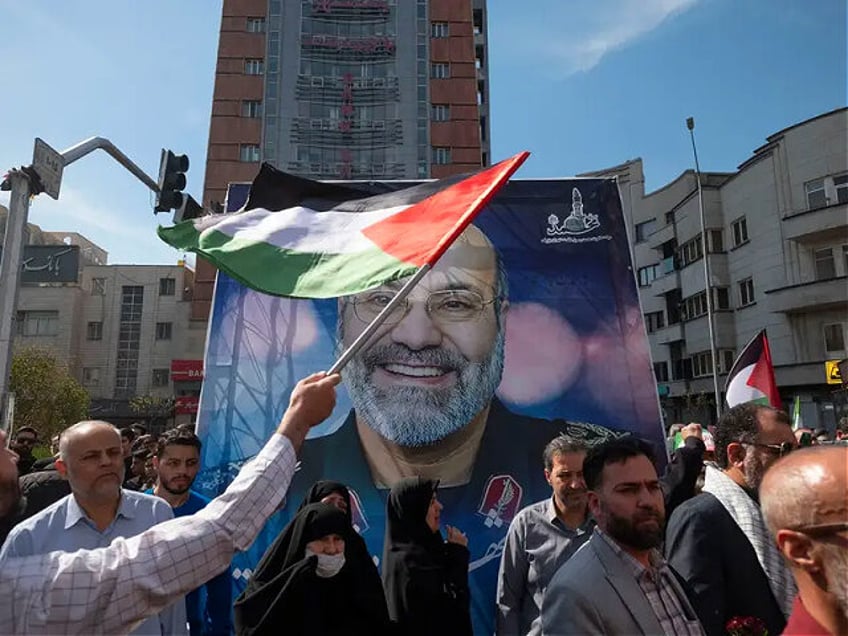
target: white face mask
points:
(328, 564)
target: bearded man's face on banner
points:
(438, 359)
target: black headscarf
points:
(321, 489)
(425, 579)
(358, 563)
(284, 590)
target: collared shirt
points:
(801, 623)
(209, 607)
(537, 544)
(656, 583)
(111, 590)
(65, 526)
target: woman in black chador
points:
(425, 578)
(303, 586)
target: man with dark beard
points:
(804, 505)
(718, 540)
(423, 392)
(177, 461)
(619, 583)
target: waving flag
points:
(308, 239)
(751, 379)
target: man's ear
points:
(156, 463)
(548, 476)
(797, 548)
(594, 504)
(735, 454)
(61, 467)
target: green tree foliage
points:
(47, 397)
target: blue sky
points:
(583, 84)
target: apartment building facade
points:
(123, 330)
(777, 244)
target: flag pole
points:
(375, 324)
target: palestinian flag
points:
(308, 239)
(751, 379)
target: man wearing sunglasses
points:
(718, 540)
(804, 504)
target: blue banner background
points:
(576, 348)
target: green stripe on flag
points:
(281, 272)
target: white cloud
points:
(572, 37)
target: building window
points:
(740, 231)
(648, 274)
(726, 358)
(161, 377)
(721, 297)
(98, 286)
(248, 153)
(834, 339)
(94, 331)
(251, 108)
(702, 364)
(645, 229)
(163, 330)
(715, 241)
(845, 260)
(816, 194)
(91, 376)
(746, 292)
(654, 320)
(256, 25)
(825, 263)
(254, 66)
(38, 323)
(840, 184)
(694, 306)
(440, 70)
(441, 155)
(440, 112)
(167, 286)
(691, 251)
(661, 371)
(129, 340)
(439, 30)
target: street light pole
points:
(45, 175)
(690, 124)
(13, 246)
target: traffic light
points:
(172, 182)
(190, 209)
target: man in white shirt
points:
(113, 589)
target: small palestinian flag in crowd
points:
(751, 379)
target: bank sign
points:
(50, 264)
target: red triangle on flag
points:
(762, 376)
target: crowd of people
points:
(745, 535)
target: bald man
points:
(424, 404)
(805, 504)
(97, 511)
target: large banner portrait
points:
(528, 327)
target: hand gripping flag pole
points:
(497, 176)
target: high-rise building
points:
(346, 89)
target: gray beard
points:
(836, 575)
(419, 416)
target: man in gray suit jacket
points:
(618, 583)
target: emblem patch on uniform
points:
(501, 500)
